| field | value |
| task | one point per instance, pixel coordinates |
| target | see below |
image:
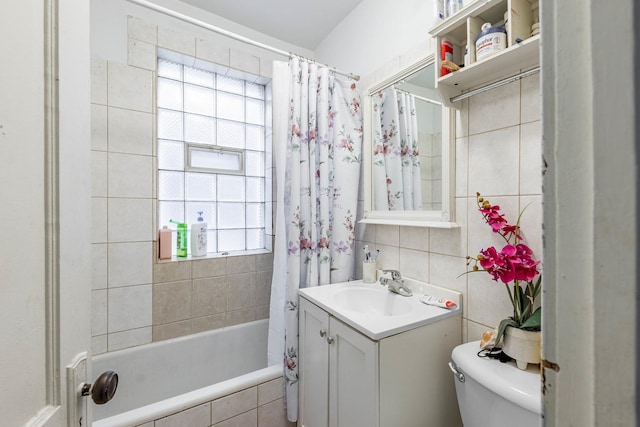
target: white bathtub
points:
(167, 377)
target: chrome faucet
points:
(396, 283)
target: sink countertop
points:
(347, 301)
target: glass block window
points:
(213, 151)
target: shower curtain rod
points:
(496, 84)
(422, 98)
(191, 20)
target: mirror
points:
(408, 150)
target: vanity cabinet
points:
(522, 52)
(350, 380)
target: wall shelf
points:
(462, 29)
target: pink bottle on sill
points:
(164, 243)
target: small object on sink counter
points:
(438, 302)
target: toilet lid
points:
(523, 388)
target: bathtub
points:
(165, 378)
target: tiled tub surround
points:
(498, 153)
(195, 372)
(136, 299)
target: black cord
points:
(494, 353)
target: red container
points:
(446, 54)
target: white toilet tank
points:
(493, 393)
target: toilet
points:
(496, 394)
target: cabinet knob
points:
(330, 340)
(323, 333)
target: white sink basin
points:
(378, 313)
(376, 301)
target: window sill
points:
(212, 255)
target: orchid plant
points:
(514, 266)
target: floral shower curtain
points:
(396, 165)
(318, 145)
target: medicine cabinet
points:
(428, 149)
(522, 52)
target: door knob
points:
(103, 389)
(330, 340)
(323, 333)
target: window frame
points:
(265, 150)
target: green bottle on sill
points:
(181, 242)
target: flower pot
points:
(521, 345)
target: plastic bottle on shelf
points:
(199, 237)
(446, 55)
(164, 243)
(490, 41)
(439, 9)
(181, 243)
(453, 6)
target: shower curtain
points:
(396, 165)
(318, 149)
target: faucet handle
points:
(395, 274)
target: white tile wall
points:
(130, 132)
(124, 205)
(212, 51)
(99, 174)
(462, 166)
(414, 238)
(443, 271)
(493, 162)
(98, 81)
(141, 54)
(130, 87)
(99, 266)
(488, 301)
(177, 41)
(140, 30)
(98, 220)
(414, 263)
(531, 222)
(530, 158)
(129, 338)
(130, 220)
(244, 61)
(99, 126)
(531, 102)
(495, 109)
(130, 264)
(130, 175)
(99, 312)
(129, 307)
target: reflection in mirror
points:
(409, 166)
(407, 141)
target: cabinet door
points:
(353, 378)
(314, 365)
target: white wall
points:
(376, 32)
(109, 28)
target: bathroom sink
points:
(377, 313)
(375, 301)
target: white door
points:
(353, 378)
(45, 209)
(314, 365)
